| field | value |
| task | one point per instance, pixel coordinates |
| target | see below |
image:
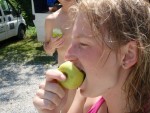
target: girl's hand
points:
(52, 45)
(51, 97)
(57, 42)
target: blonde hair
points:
(126, 20)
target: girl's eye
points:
(83, 44)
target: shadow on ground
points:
(8, 42)
(20, 61)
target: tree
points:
(26, 9)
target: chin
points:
(86, 93)
(84, 89)
(83, 93)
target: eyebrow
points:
(84, 36)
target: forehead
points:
(84, 28)
(82, 25)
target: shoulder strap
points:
(96, 106)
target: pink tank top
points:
(96, 106)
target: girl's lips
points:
(82, 86)
(80, 68)
(83, 73)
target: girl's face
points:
(99, 63)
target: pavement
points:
(18, 85)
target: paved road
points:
(18, 84)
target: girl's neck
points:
(115, 103)
(116, 98)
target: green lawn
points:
(26, 51)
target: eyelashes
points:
(83, 45)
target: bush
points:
(31, 32)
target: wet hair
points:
(125, 21)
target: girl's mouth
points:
(83, 73)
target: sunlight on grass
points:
(28, 50)
(31, 32)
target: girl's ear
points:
(129, 54)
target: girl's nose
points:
(71, 54)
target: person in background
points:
(59, 19)
(51, 3)
(41, 6)
(54, 5)
(115, 35)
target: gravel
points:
(18, 85)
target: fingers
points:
(49, 96)
(55, 43)
(58, 42)
(46, 95)
(42, 104)
(53, 87)
(47, 46)
(45, 111)
(54, 75)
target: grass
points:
(26, 51)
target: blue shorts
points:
(51, 3)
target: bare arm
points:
(48, 47)
(49, 24)
(51, 44)
(78, 103)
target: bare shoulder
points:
(53, 16)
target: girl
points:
(115, 36)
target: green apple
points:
(74, 77)
(57, 33)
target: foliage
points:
(31, 32)
(26, 8)
(29, 50)
(26, 51)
